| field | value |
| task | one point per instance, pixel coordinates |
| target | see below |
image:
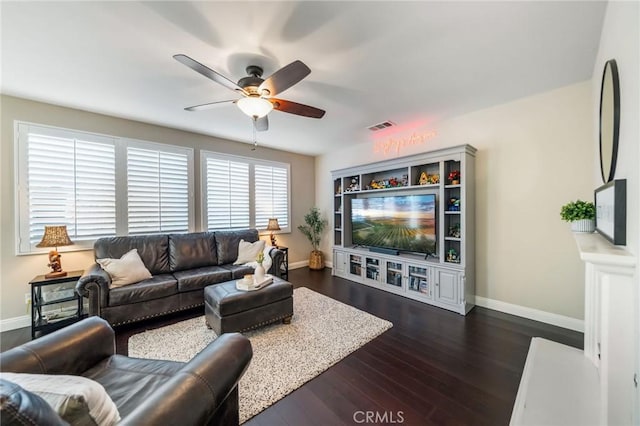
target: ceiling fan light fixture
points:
(255, 106)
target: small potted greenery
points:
(581, 214)
(313, 229)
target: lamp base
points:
(273, 240)
(56, 274)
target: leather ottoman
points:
(228, 309)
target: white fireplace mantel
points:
(563, 385)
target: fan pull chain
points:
(255, 138)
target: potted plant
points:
(454, 177)
(581, 214)
(313, 229)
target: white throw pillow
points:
(76, 399)
(248, 252)
(266, 263)
(129, 269)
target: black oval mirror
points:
(609, 120)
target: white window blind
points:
(65, 178)
(227, 194)
(243, 192)
(157, 191)
(99, 186)
(272, 187)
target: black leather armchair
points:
(150, 392)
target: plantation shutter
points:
(227, 194)
(157, 191)
(271, 195)
(69, 180)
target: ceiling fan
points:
(257, 100)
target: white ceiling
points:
(370, 61)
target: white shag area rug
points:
(285, 356)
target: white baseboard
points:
(533, 314)
(15, 323)
(297, 265)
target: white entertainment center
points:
(444, 278)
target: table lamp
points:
(273, 226)
(55, 236)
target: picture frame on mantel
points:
(611, 211)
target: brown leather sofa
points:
(146, 392)
(181, 265)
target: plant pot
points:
(316, 260)
(583, 225)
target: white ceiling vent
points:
(381, 126)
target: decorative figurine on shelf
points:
(452, 256)
(405, 180)
(339, 190)
(454, 177)
(454, 204)
(454, 230)
(424, 179)
(434, 179)
(393, 182)
(354, 185)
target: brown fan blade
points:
(296, 108)
(284, 78)
(209, 105)
(207, 72)
(262, 124)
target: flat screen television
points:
(403, 222)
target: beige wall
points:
(17, 271)
(534, 155)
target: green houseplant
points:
(581, 214)
(313, 228)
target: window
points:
(158, 190)
(241, 192)
(99, 186)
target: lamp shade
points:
(273, 225)
(255, 106)
(55, 236)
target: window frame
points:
(252, 162)
(20, 175)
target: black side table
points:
(284, 265)
(50, 292)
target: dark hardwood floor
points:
(433, 367)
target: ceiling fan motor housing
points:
(251, 83)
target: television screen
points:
(405, 222)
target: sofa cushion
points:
(198, 278)
(248, 252)
(239, 271)
(131, 381)
(153, 250)
(188, 251)
(77, 400)
(154, 288)
(20, 407)
(129, 269)
(227, 243)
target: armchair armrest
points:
(194, 394)
(70, 350)
(277, 257)
(94, 284)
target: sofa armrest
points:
(194, 394)
(70, 350)
(94, 285)
(277, 257)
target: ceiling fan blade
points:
(296, 108)
(284, 78)
(207, 72)
(262, 124)
(208, 106)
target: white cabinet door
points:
(447, 286)
(339, 263)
